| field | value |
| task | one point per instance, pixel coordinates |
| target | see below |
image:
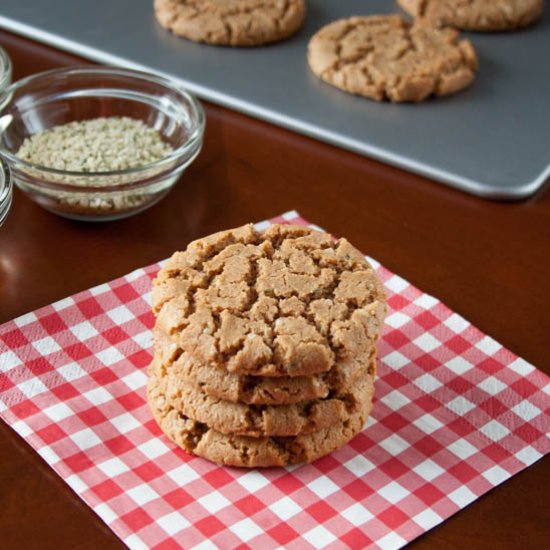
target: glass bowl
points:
(6, 190)
(5, 69)
(57, 97)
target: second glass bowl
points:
(60, 96)
(5, 69)
(6, 190)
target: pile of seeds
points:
(90, 148)
(95, 145)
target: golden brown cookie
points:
(253, 452)
(476, 15)
(385, 57)
(256, 420)
(233, 22)
(286, 302)
(260, 390)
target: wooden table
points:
(488, 261)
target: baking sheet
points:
(492, 140)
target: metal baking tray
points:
(491, 140)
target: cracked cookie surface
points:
(231, 22)
(385, 57)
(476, 15)
(256, 420)
(259, 390)
(286, 302)
(252, 452)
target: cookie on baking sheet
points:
(252, 452)
(231, 22)
(290, 301)
(257, 420)
(385, 57)
(259, 390)
(476, 15)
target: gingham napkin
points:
(455, 415)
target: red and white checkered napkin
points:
(455, 415)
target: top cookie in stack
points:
(265, 345)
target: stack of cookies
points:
(265, 345)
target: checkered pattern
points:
(455, 415)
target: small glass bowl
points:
(60, 96)
(6, 190)
(5, 69)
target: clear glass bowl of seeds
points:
(97, 143)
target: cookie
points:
(286, 302)
(235, 23)
(256, 420)
(259, 390)
(476, 15)
(385, 57)
(241, 451)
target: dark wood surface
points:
(488, 261)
